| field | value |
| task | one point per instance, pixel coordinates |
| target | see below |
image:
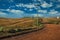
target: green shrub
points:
(54, 21)
(11, 31)
(1, 28)
(18, 30)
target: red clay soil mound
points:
(51, 32)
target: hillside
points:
(18, 26)
(50, 32)
(23, 21)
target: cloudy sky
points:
(21, 8)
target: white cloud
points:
(53, 12)
(37, 15)
(58, 6)
(58, 17)
(37, 0)
(2, 14)
(20, 5)
(7, 10)
(0, 0)
(30, 9)
(29, 6)
(25, 9)
(15, 11)
(59, 0)
(42, 11)
(46, 5)
(26, 5)
(10, 1)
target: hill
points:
(18, 26)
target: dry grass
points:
(23, 23)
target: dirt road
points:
(50, 32)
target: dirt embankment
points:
(51, 32)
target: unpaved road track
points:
(50, 32)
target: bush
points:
(18, 30)
(11, 31)
(54, 22)
(1, 29)
(50, 21)
(27, 29)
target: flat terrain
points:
(50, 32)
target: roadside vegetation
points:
(54, 22)
(25, 27)
(35, 24)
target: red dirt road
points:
(50, 32)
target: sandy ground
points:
(50, 32)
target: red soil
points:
(51, 32)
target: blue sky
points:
(21, 8)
